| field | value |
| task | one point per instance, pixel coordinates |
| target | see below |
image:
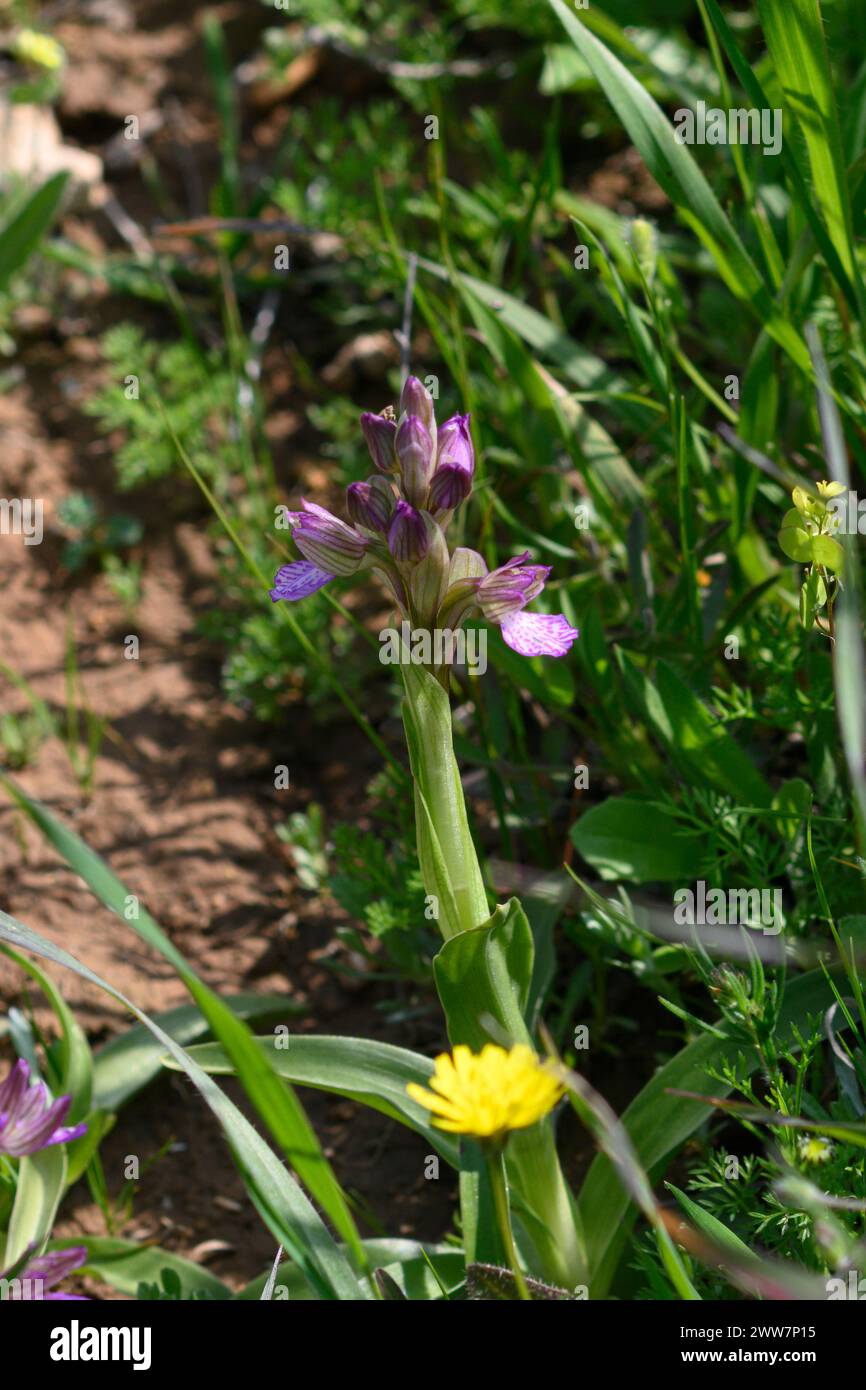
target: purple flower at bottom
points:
(43, 1273)
(29, 1121)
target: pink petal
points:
(298, 580)
(538, 634)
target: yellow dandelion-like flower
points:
(40, 50)
(487, 1094)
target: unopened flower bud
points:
(449, 486)
(371, 504)
(429, 578)
(415, 455)
(408, 539)
(451, 483)
(415, 399)
(380, 433)
(40, 50)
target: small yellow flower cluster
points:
(829, 490)
(39, 50)
(485, 1095)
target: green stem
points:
(446, 852)
(496, 1170)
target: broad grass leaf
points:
(637, 839)
(375, 1074)
(128, 1062)
(125, 1264)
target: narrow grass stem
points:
(494, 1157)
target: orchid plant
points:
(399, 519)
(399, 522)
(493, 1101)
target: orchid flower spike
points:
(398, 522)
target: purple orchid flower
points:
(44, 1272)
(29, 1121)
(501, 596)
(327, 541)
(329, 546)
(399, 525)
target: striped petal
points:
(538, 634)
(298, 580)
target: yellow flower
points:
(486, 1094)
(40, 50)
(814, 1148)
(829, 490)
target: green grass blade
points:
(279, 1199)
(27, 226)
(373, 1073)
(659, 1123)
(759, 99)
(126, 1064)
(794, 30)
(677, 173)
(272, 1097)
